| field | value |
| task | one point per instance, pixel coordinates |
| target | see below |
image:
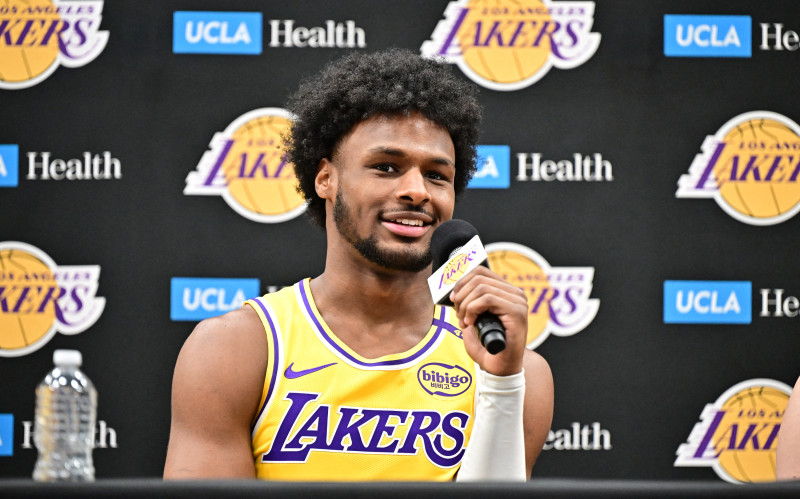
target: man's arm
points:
(482, 290)
(787, 458)
(216, 389)
(537, 414)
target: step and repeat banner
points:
(638, 178)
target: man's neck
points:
(374, 311)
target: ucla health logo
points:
(9, 165)
(512, 45)
(494, 168)
(558, 297)
(38, 36)
(708, 302)
(737, 435)
(42, 166)
(6, 434)
(750, 168)
(580, 437)
(707, 36)
(246, 166)
(39, 298)
(285, 33)
(216, 32)
(196, 298)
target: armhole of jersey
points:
(274, 359)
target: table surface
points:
(572, 488)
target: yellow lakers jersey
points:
(327, 413)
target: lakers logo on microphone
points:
(456, 268)
(511, 44)
(462, 261)
(737, 434)
(246, 166)
(39, 298)
(750, 168)
(38, 36)
(558, 297)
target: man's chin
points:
(407, 260)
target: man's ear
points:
(325, 179)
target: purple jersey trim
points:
(386, 363)
(445, 325)
(275, 358)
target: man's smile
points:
(407, 223)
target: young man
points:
(356, 374)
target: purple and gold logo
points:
(38, 36)
(737, 434)
(558, 297)
(39, 298)
(456, 268)
(246, 166)
(437, 378)
(310, 426)
(509, 45)
(750, 168)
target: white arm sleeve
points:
(496, 449)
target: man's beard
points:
(407, 259)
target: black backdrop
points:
(644, 381)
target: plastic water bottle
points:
(66, 411)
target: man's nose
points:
(412, 187)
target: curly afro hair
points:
(362, 85)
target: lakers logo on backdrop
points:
(750, 168)
(39, 298)
(246, 166)
(558, 297)
(509, 45)
(737, 434)
(37, 36)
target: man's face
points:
(394, 186)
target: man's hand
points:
(481, 291)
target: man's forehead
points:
(385, 126)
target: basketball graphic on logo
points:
(31, 51)
(526, 274)
(503, 40)
(456, 268)
(28, 279)
(765, 140)
(247, 167)
(258, 177)
(759, 407)
(39, 298)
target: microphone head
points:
(449, 236)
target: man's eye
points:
(384, 168)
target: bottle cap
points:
(67, 358)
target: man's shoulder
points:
(283, 294)
(534, 362)
(237, 325)
(239, 317)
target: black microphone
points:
(457, 249)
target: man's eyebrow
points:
(391, 151)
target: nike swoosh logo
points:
(292, 374)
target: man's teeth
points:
(416, 223)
